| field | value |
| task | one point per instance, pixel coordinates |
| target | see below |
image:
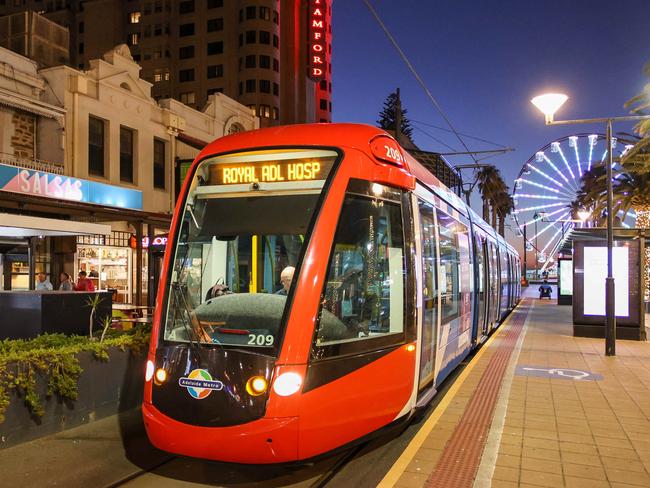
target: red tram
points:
(318, 285)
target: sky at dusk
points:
(484, 60)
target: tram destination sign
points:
(271, 171)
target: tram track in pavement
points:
(362, 466)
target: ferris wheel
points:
(547, 184)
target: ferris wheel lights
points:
(573, 141)
(627, 148)
(593, 139)
(539, 156)
(549, 103)
(555, 147)
(614, 140)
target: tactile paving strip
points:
(461, 456)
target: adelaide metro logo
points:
(199, 384)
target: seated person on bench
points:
(545, 290)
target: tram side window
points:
(363, 297)
(449, 275)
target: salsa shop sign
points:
(48, 185)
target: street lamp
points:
(583, 215)
(548, 104)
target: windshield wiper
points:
(184, 310)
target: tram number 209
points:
(393, 154)
(260, 340)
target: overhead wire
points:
(461, 133)
(417, 77)
(435, 138)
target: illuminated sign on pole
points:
(317, 28)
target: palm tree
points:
(490, 184)
(505, 205)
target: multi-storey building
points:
(261, 53)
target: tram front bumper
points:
(263, 441)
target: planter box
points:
(105, 388)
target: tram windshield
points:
(241, 235)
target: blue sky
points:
(484, 59)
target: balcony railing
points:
(33, 164)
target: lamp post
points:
(548, 104)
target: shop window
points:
(188, 98)
(251, 37)
(134, 17)
(215, 48)
(250, 61)
(95, 146)
(265, 62)
(126, 154)
(364, 296)
(265, 86)
(250, 13)
(215, 71)
(250, 86)
(186, 7)
(265, 13)
(265, 37)
(448, 280)
(215, 3)
(186, 75)
(186, 52)
(215, 24)
(265, 111)
(186, 30)
(159, 163)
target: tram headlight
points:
(287, 384)
(149, 371)
(161, 375)
(256, 385)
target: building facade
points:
(258, 52)
(82, 148)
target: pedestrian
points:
(43, 283)
(83, 283)
(66, 283)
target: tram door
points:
(429, 293)
(493, 285)
(482, 285)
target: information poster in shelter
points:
(595, 259)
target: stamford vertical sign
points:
(317, 28)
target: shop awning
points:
(12, 225)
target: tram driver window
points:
(363, 297)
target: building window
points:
(265, 62)
(215, 48)
(134, 18)
(250, 13)
(241, 88)
(166, 76)
(276, 40)
(241, 15)
(81, 48)
(250, 61)
(323, 104)
(159, 163)
(134, 39)
(276, 89)
(157, 30)
(215, 24)
(81, 27)
(276, 114)
(95, 146)
(250, 37)
(253, 108)
(276, 17)
(147, 31)
(186, 7)
(265, 37)
(215, 3)
(188, 98)
(157, 6)
(157, 76)
(241, 40)
(186, 75)
(265, 13)
(250, 86)
(126, 154)
(186, 52)
(276, 65)
(215, 71)
(186, 30)
(265, 86)
(265, 111)
(323, 84)
(214, 90)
